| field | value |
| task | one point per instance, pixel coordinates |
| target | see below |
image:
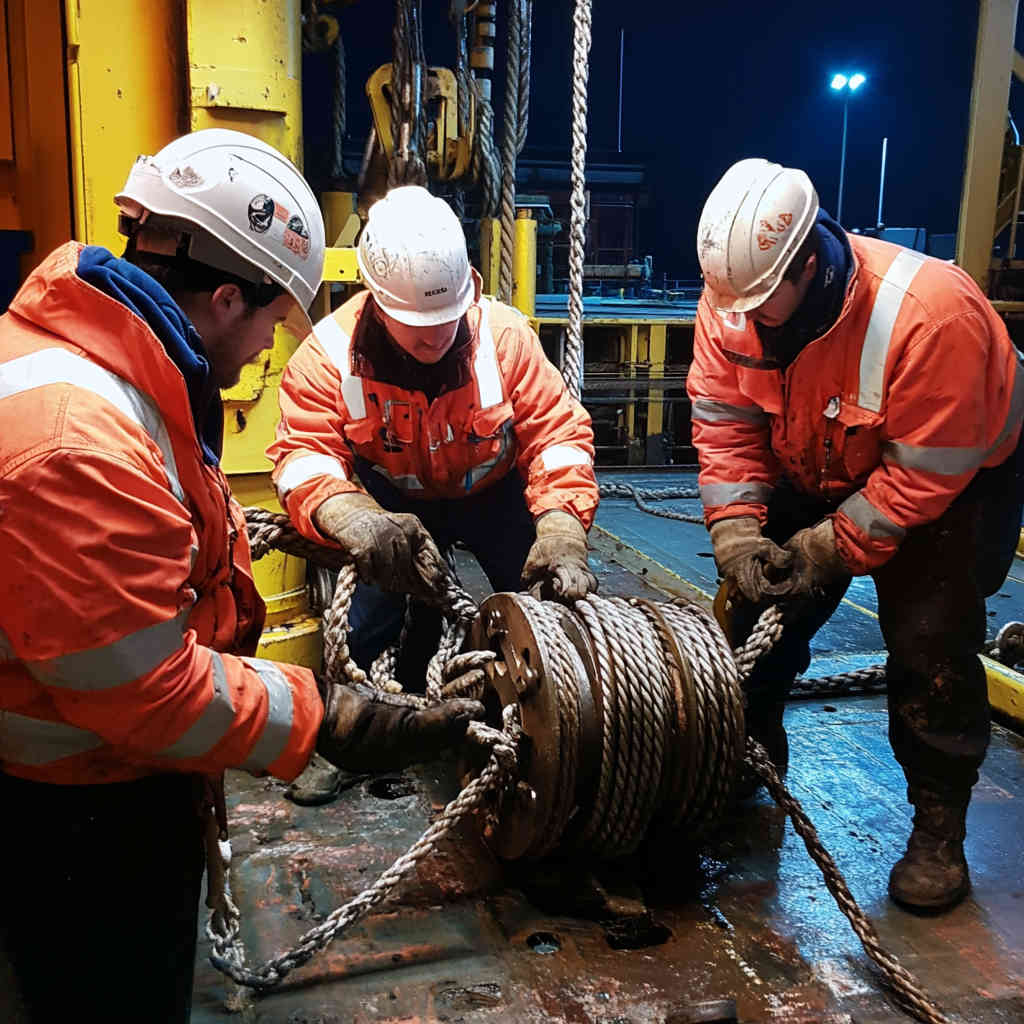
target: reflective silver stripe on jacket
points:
(709, 411)
(869, 519)
(477, 473)
(404, 482)
(33, 741)
(749, 493)
(121, 661)
(273, 740)
(336, 344)
(558, 456)
(888, 301)
(213, 724)
(485, 362)
(301, 468)
(58, 366)
(955, 461)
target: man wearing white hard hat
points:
(128, 613)
(421, 409)
(857, 411)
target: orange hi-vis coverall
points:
(511, 412)
(127, 606)
(889, 414)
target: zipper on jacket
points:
(831, 413)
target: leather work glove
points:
(383, 544)
(556, 565)
(359, 734)
(816, 560)
(747, 557)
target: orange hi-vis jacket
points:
(127, 604)
(512, 412)
(889, 414)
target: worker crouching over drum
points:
(128, 614)
(421, 412)
(857, 411)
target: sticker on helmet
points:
(185, 177)
(261, 213)
(296, 237)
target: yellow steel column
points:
(244, 72)
(34, 162)
(490, 254)
(524, 264)
(630, 343)
(656, 396)
(993, 61)
(122, 102)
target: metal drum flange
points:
(521, 674)
(685, 766)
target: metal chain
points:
(572, 366)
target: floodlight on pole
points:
(845, 84)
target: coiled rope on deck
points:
(642, 653)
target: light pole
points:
(845, 84)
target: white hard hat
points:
(412, 257)
(751, 227)
(258, 218)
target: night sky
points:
(707, 84)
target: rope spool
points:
(631, 714)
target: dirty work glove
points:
(816, 561)
(756, 563)
(557, 563)
(383, 545)
(362, 735)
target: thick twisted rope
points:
(642, 495)
(273, 530)
(634, 669)
(510, 147)
(903, 985)
(572, 366)
(338, 110)
(499, 770)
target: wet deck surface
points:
(745, 916)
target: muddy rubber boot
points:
(319, 783)
(932, 875)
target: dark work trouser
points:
(495, 525)
(101, 897)
(931, 609)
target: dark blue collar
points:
(824, 300)
(150, 301)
